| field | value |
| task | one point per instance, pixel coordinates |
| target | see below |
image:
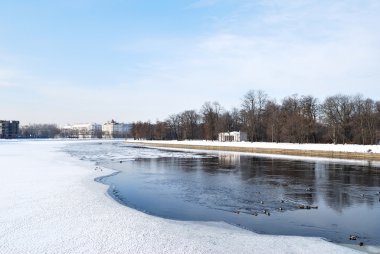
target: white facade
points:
(85, 130)
(234, 136)
(113, 129)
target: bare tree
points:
(253, 106)
(364, 120)
(309, 110)
(290, 120)
(40, 131)
(175, 124)
(210, 116)
(272, 115)
(338, 112)
(190, 121)
(339, 119)
(160, 130)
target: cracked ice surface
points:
(49, 203)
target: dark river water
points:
(332, 200)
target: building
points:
(9, 129)
(85, 130)
(234, 136)
(113, 129)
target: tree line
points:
(296, 119)
(53, 131)
(39, 131)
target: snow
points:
(110, 153)
(49, 203)
(270, 145)
(263, 155)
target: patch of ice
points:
(118, 151)
(49, 203)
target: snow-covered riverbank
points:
(291, 146)
(49, 203)
(339, 151)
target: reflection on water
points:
(258, 193)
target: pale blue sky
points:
(80, 60)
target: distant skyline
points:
(79, 61)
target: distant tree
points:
(338, 113)
(136, 130)
(142, 130)
(236, 118)
(253, 106)
(377, 116)
(190, 121)
(211, 113)
(364, 120)
(291, 130)
(309, 110)
(226, 122)
(299, 119)
(175, 126)
(271, 116)
(160, 130)
(40, 131)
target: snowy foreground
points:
(270, 145)
(49, 203)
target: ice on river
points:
(50, 203)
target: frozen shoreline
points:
(50, 203)
(347, 152)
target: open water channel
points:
(268, 195)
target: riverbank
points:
(51, 204)
(349, 152)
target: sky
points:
(78, 61)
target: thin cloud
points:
(8, 77)
(282, 47)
